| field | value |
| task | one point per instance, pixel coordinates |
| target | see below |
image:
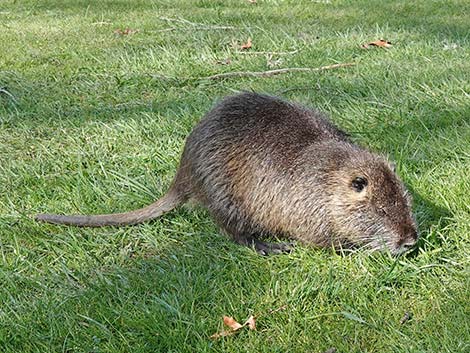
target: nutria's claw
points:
(265, 249)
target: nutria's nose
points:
(408, 245)
(410, 239)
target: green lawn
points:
(93, 121)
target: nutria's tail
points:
(154, 210)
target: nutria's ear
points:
(359, 184)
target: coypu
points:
(264, 167)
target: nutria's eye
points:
(359, 183)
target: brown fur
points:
(266, 167)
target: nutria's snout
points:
(409, 239)
(406, 239)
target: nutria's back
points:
(266, 167)
(279, 128)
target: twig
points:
(275, 72)
(267, 52)
(302, 88)
(195, 25)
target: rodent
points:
(268, 168)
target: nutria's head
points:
(370, 206)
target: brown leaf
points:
(247, 45)
(230, 322)
(251, 323)
(382, 43)
(234, 326)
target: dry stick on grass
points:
(254, 73)
(274, 72)
(267, 52)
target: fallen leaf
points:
(234, 326)
(247, 45)
(382, 43)
(230, 322)
(251, 323)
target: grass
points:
(93, 122)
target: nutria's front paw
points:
(265, 249)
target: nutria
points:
(264, 167)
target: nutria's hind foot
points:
(265, 248)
